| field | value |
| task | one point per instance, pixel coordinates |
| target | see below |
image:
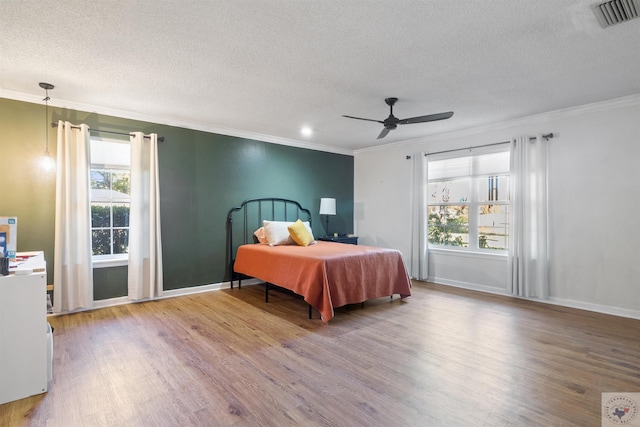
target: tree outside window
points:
(110, 194)
(449, 212)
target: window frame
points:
(108, 260)
(473, 203)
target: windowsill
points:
(106, 261)
(471, 254)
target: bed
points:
(326, 274)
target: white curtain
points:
(145, 245)
(419, 267)
(528, 259)
(73, 272)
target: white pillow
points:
(306, 224)
(278, 232)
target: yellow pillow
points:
(300, 234)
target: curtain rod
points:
(546, 136)
(55, 125)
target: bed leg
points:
(309, 311)
(266, 292)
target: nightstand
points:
(350, 240)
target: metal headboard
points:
(243, 220)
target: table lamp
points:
(327, 207)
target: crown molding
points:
(72, 105)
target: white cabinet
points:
(24, 331)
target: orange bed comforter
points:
(327, 274)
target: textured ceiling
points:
(265, 68)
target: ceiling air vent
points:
(616, 11)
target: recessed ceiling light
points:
(306, 131)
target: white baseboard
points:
(468, 285)
(111, 302)
(206, 288)
(598, 308)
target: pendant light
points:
(47, 162)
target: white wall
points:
(594, 203)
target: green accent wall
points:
(202, 176)
(109, 282)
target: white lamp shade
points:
(327, 206)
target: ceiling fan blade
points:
(360, 118)
(428, 118)
(384, 133)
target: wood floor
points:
(444, 357)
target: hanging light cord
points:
(46, 120)
(46, 87)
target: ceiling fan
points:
(392, 122)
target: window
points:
(468, 202)
(110, 198)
